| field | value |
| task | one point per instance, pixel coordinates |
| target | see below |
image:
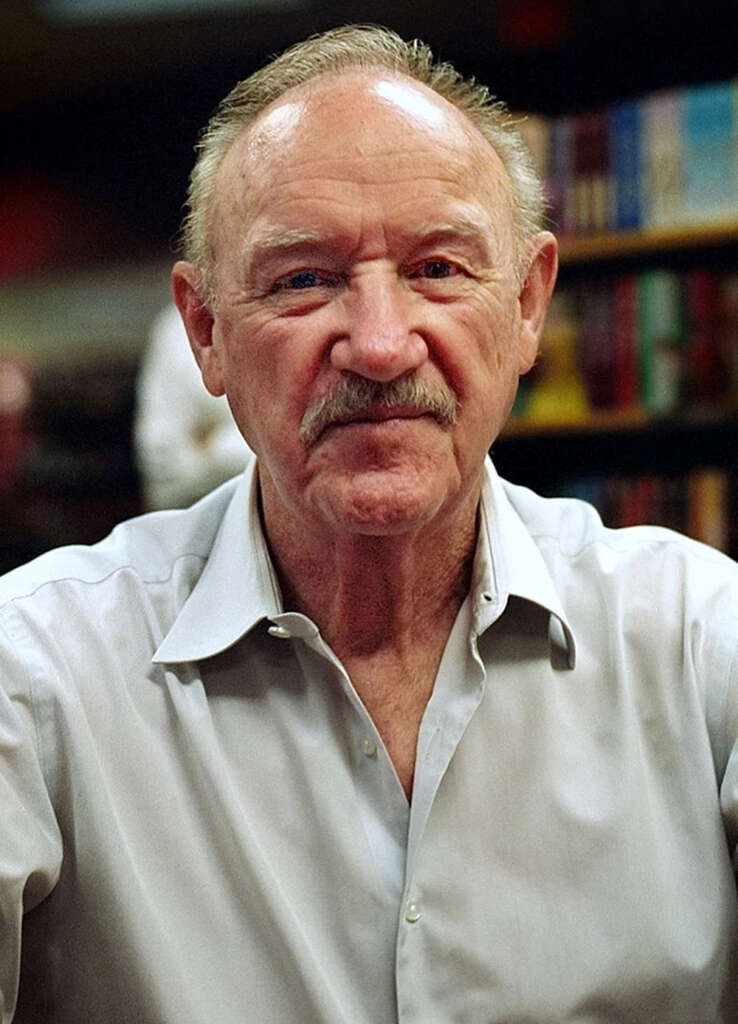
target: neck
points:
(385, 605)
(372, 593)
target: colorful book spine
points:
(706, 377)
(710, 169)
(708, 507)
(625, 147)
(598, 354)
(662, 159)
(655, 342)
(561, 175)
(592, 173)
(665, 160)
(661, 338)
(625, 343)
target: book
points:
(598, 354)
(559, 395)
(706, 378)
(708, 513)
(662, 159)
(661, 336)
(625, 343)
(625, 124)
(561, 175)
(727, 332)
(710, 166)
(592, 173)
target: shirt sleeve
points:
(30, 840)
(729, 782)
(713, 647)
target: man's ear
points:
(542, 261)
(196, 312)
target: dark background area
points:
(106, 112)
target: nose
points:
(378, 340)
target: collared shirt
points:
(199, 821)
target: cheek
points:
(484, 352)
(270, 373)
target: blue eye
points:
(304, 279)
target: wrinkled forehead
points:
(363, 127)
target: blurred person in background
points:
(186, 440)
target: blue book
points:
(711, 171)
(561, 175)
(625, 148)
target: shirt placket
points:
(457, 695)
(382, 807)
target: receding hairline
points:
(340, 52)
(310, 91)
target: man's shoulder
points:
(148, 549)
(570, 530)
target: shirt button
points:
(369, 747)
(412, 911)
(279, 631)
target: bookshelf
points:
(676, 466)
(642, 353)
(584, 250)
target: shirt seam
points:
(726, 741)
(26, 595)
(29, 685)
(709, 555)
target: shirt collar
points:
(508, 563)
(237, 589)
(225, 604)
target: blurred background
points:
(101, 103)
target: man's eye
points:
(434, 269)
(305, 279)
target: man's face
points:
(363, 232)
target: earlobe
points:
(199, 320)
(535, 295)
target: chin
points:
(382, 505)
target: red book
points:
(705, 373)
(592, 173)
(625, 342)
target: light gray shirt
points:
(199, 822)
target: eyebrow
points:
(273, 241)
(460, 227)
(276, 240)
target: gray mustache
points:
(358, 394)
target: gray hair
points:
(351, 47)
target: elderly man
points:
(370, 735)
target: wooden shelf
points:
(542, 455)
(589, 248)
(597, 423)
(636, 421)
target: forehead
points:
(354, 136)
